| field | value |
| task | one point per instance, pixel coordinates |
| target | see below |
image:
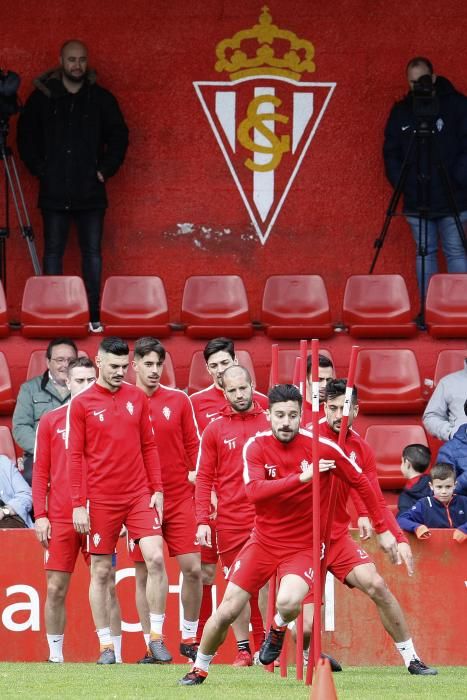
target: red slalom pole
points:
(274, 364)
(299, 622)
(333, 485)
(315, 652)
(270, 611)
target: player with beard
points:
(220, 464)
(278, 474)
(347, 561)
(219, 354)
(177, 439)
(111, 449)
(325, 373)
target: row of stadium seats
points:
(293, 307)
(387, 441)
(388, 380)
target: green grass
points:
(49, 681)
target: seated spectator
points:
(444, 413)
(455, 452)
(15, 497)
(414, 463)
(40, 395)
(443, 508)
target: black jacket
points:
(65, 138)
(449, 139)
(409, 496)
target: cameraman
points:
(426, 202)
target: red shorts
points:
(107, 520)
(178, 531)
(344, 556)
(255, 565)
(229, 544)
(209, 555)
(64, 546)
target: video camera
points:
(9, 102)
(424, 100)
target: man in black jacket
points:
(448, 125)
(73, 137)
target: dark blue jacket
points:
(449, 138)
(409, 496)
(454, 452)
(432, 513)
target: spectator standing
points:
(72, 136)
(445, 413)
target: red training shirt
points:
(51, 490)
(111, 433)
(220, 462)
(284, 506)
(177, 440)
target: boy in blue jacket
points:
(443, 509)
(415, 461)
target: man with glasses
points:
(40, 395)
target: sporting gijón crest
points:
(264, 117)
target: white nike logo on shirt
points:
(404, 128)
(98, 413)
(211, 415)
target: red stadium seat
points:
(296, 306)
(4, 327)
(7, 446)
(199, 378)
(449, 361)
(388, 381)
(378, 306)
(216, 305)
(7, 399)
(38, 364)
(54, 306)
(168, 373)
(133, 306)
(446, 306)
(387, 442)
(287, 360)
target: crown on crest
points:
(238, 56)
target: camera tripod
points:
(13, 186)
(423, 144)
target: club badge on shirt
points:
(130, 408)
(166, 412)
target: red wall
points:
(150, 52)
(434, 601)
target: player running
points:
(278, 480)
(347, 561)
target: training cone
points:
(323, 684)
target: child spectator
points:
(443, 509)
(414, 463)
(454, 452)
